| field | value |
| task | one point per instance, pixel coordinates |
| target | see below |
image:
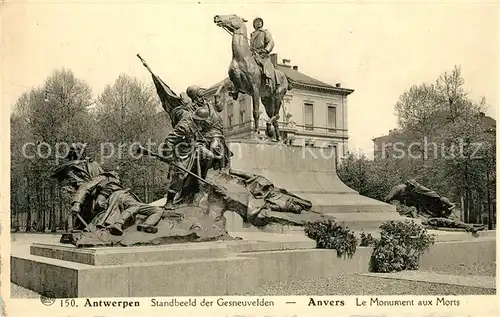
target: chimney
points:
(286, 63)
(338, 85)
(295, 67)
(274, 59)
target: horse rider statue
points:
(261, 45)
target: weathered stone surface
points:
(260, 203)
(198, 224)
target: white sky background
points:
(377, 49)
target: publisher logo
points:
(48, 298)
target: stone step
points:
(104, 256)
(120, 255)
(440, 236)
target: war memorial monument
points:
(234, 209)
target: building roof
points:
(300, 80)
(488, 122)
(395, 134)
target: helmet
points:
(193, 91)
(258, 20)
(76, 151)
(201, 114)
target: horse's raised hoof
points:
(255, 136)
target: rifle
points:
(145, 151)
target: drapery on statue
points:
(247, 76)
(427, 202)
(180, 110)
(77, 170)
(417, 201)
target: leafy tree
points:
(128, 115)
(43, 118)
(447, 147)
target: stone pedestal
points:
(219, 268)
(187, 269)
(310, 172)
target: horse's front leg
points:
(276, 128)
(255, 109)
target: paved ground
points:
(486, 268)
(440, 278)
(354, 284)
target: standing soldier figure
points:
(262, 44)
(213, 127)
(184, 109)
(187, 147)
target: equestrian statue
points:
(251, 71)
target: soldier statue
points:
(261, 45)
(77, 170)
(187, 147)
(212, 129)
(184, 109)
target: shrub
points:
(400, 246)
(367, 240)
(331, 235)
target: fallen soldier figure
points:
(425, 200)
(416, 201)
(439, 223)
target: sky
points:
(379, 49)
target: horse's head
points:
(230, 22)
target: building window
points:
(332, 119)
(242, 116)
(243, 107)
(309, 116)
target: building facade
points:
(313, 113)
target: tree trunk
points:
(146, 179)
(28, 216)
(38, 208)
(44, 209)
(53, 209)
(61, 214)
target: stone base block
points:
(310, 173)
(465, 253)
(201, 277)
(282, 266)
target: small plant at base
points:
(400, 246)
(367, 240)
(328, 234)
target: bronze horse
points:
(246, 75)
